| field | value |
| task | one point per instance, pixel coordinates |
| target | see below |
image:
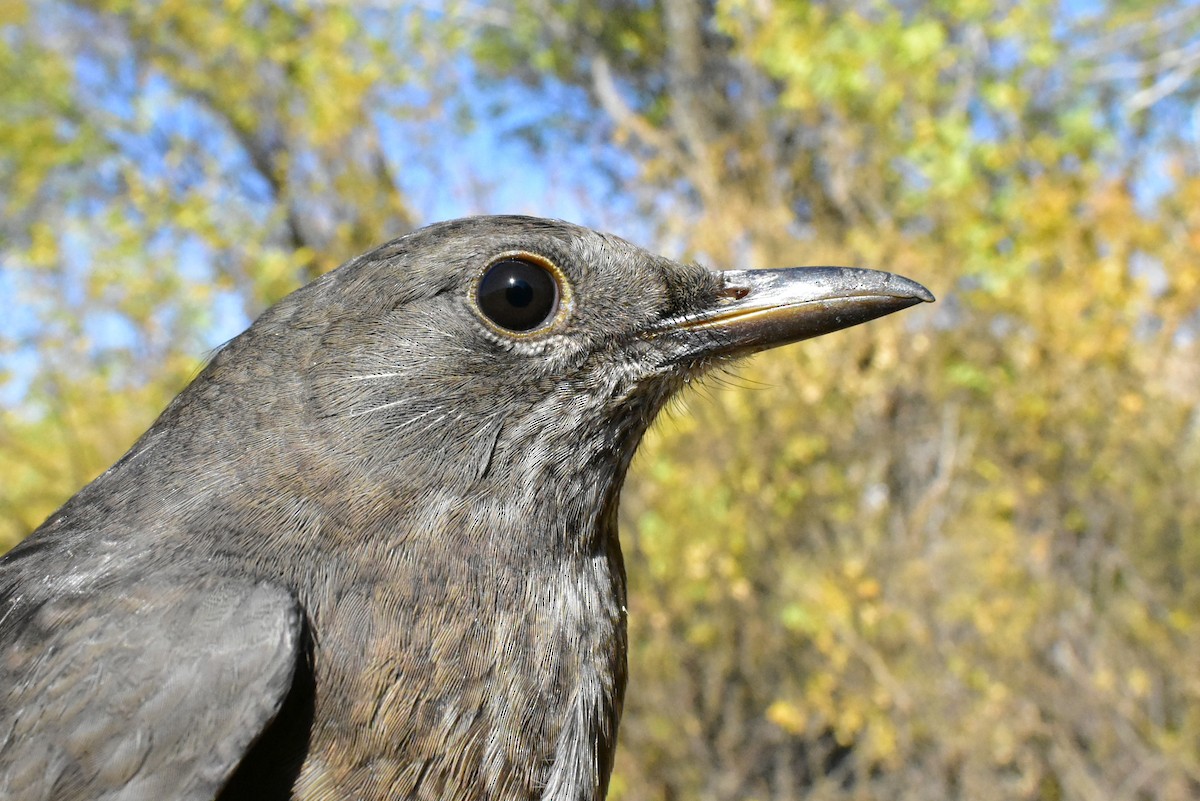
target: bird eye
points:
(518, 295)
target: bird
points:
(371, 550)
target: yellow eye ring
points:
(521, 294)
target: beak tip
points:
(911, 289)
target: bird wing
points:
(150, 690)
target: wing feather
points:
(141, 691)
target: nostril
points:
(733, 291)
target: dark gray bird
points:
(371, 552)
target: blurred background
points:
(952, 554)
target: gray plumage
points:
(371, 551)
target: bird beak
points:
(760, 309)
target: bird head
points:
(516, 352)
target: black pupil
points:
(518, 295)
